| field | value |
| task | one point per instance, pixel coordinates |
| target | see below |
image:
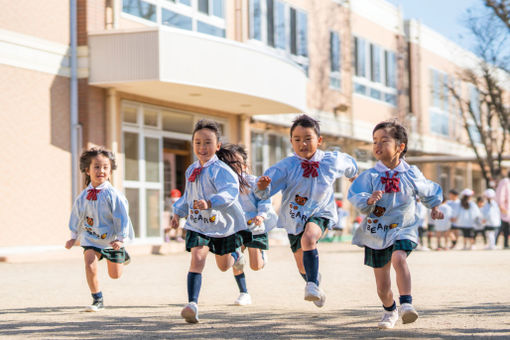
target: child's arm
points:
(180, 207)
(75, 222)
(345, 165)
(430, 193)
(362, 195)
(227, 191)
(274, 180)
(122, 226)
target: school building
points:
(136, 75)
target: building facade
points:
(148, 70)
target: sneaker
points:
(408, 313)
(190, 312)
(388, 319)
(320, 303)
(96, 306)
(313, 292)
(264, 258)
(239, 263)
(243, 299)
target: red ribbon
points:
(310, 168)
(194, 174)
(391, 183)
(92, 194)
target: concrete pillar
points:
(469, 175)
(112, 128)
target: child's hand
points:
(70, 243)
(201, 204)
(436, 214)
(258, 220)
(263, 182)
(116, 245)
(353, 178)
(174, 223)
(376, 196)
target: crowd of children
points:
(226, 211)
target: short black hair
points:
(396, 131)
(87, 156)
(453, 192)
(209, 125)
(307, 122)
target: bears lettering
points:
(379, 211)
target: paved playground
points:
(459, 294)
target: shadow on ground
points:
(217, 322)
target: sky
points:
(443, 16)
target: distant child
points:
(260, 217)
(421, 214)
(101, 221)
(175, 234)
(454, 203)
(442, 227)
(308, 204)
(479, 223)
(466, 217)
(491, 216)
(387, 194)
(215, 218)
(335, 234)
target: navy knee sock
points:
(311, 264)
(392, 308)
(303, 275)
(241, 283)
(405, 299)
(194, 283)
(97, 296)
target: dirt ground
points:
(459, 294)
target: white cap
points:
(489, 193)
(467, 192)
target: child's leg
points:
(383, 283)
(91, 260)
(224, 262)
(311, 235)
(256, 260)
(399, 262)
(115, 269)
(298, 256)
(198, 257)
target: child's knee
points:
(115, 275)
(223, 267)
(256, 265)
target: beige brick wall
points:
(36, 166)
(48, 19)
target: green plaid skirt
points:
(295, 240)
(258, 241)
(217, 245)
(378, 258)
(116, 256)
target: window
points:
(375, 71)
(443, 107)
(203, 16)
(267, 150)
(474, 102)
(334, 57)
(140, 9)
(282, 27)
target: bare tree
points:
(484, 114)
(500, 8)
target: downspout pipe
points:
(74, 98)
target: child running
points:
(308, 205)
(387, 194)
(214, 214)
(491, 218)
(442, 227)
(466, 216)
(101, 221)
(259, 214)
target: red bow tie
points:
(194, 174)
(310, 168)
(92, 194)
(391, 183)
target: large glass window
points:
(204, 16)
(131, 156)
(375, 71)
(152, 212)
(151, 159)
(302, 33)
(334, 57)
(132, 195)
(140, 9)
(279, 26)
(255, 22)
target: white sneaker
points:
(190, 312)
(408, 313)
(320, 303)
(243, 299)
(239, 263)
(313, 292)
(388, 319)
